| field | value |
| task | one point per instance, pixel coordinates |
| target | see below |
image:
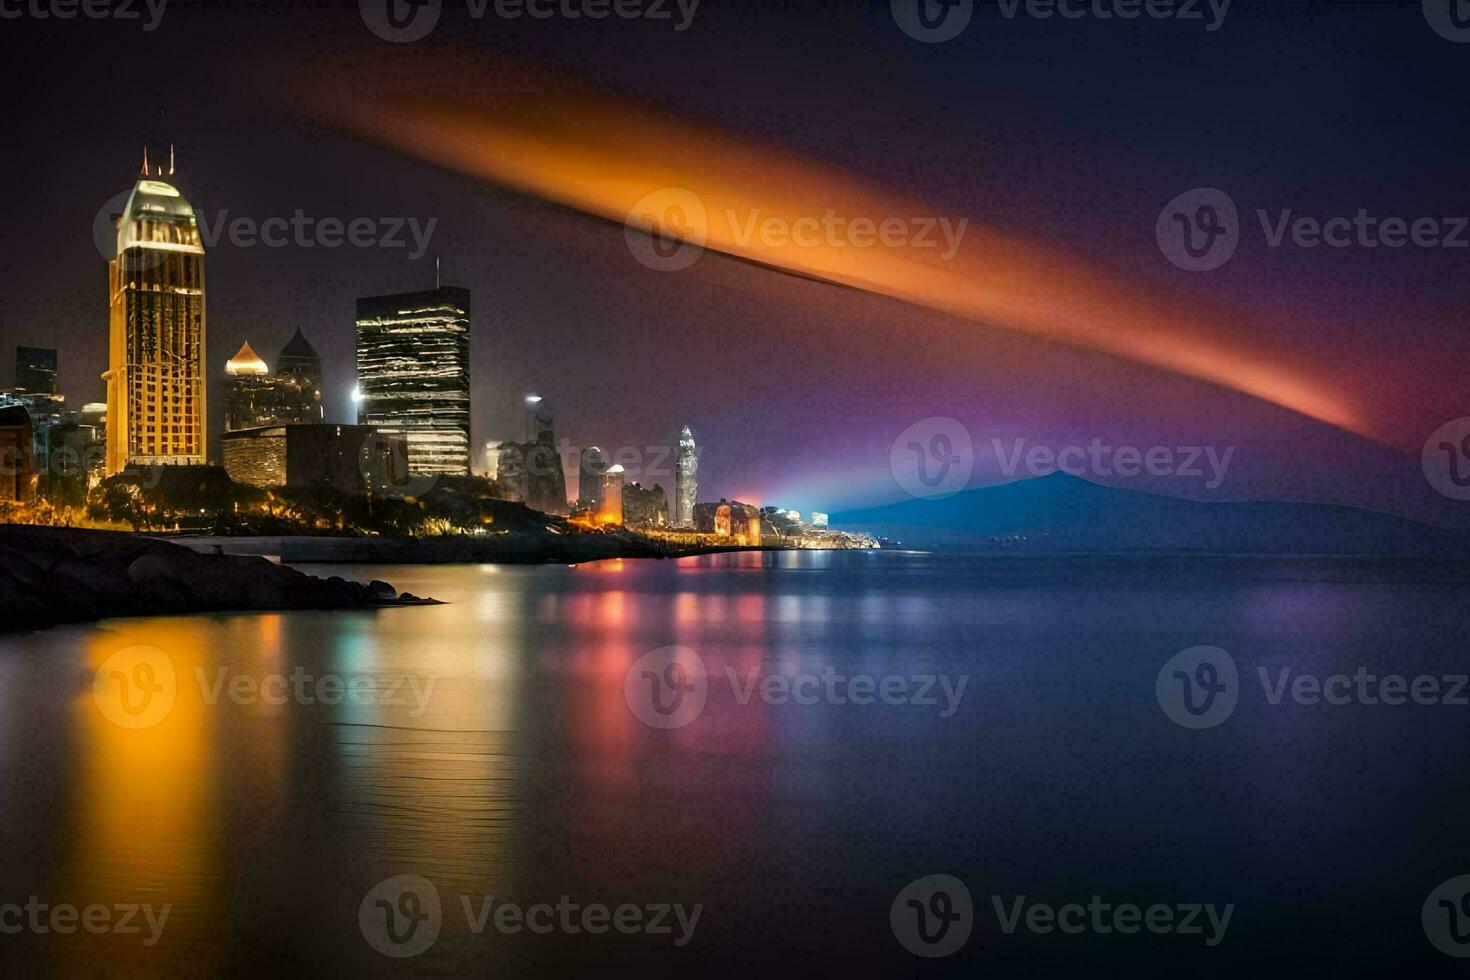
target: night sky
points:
(1069, 134)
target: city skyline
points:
(574, 283)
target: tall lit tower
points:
(591, 468)
(413, 374)
(686, 483)
(155, 372)
(249, 391)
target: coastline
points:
(570, 549)
(51, 575)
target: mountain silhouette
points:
(1064, 513)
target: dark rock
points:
(54, 575)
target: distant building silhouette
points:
(298, 381)
(35, 370)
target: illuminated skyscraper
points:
(611, 509)
(292, 396)
(413, 374)
(589, 479)
(249, 391)
(155, 373)
(686, 483)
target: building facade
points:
(413, 374)
(591, 466)
(17, 459)
(299, 382)
(686, 481)
(156, 358)
(645, 506)
(350, 459)
(611, 509)
(729, 519)
(291, 396)
(249, 391)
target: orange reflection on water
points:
(146, 824)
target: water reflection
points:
(493, 752)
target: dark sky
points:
(1075, 133)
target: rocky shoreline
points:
(51, 575)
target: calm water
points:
(523, 773)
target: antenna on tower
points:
(170, 159)
(436, 270)
(145, 159)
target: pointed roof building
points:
(245, 361)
